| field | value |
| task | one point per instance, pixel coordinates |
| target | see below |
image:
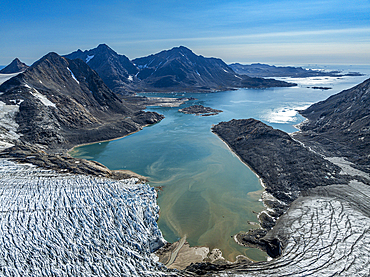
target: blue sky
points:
(275, 32)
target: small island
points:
(322, 88)
(200, 110)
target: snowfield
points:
(71, 225)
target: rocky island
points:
(200, 110)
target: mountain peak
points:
(116, 70)
(105, 48)
(14, 67)
(52, 58)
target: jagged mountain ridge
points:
(116, 70)
(181, 69)
(14, 67)
(341, 125)
(65, 102)
(177, 69)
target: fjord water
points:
(206, 192)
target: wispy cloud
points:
(289, 34)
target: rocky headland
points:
(200, 110)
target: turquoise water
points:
(207, 193)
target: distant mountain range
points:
(15, 66)
(178, 69)
(265, 70)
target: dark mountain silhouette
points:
(117, 71)
(14, 67)
(179, 69)
(65, 102)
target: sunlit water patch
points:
(207, 193)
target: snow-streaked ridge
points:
(73, 76)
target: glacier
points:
(56, 224)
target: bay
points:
(206, 192)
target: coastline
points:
(106, 140)
(240, 159)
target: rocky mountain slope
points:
(15, 66)
(59, 103)
(180, 69)
(116, 70)
(340, 126)
(265, 70)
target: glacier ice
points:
(72, 225)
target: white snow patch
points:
(197, 72)
(73, 76)
(88, 58)
(238, 77)
(130, 78)
(41, 97)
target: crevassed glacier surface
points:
(71, 225)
